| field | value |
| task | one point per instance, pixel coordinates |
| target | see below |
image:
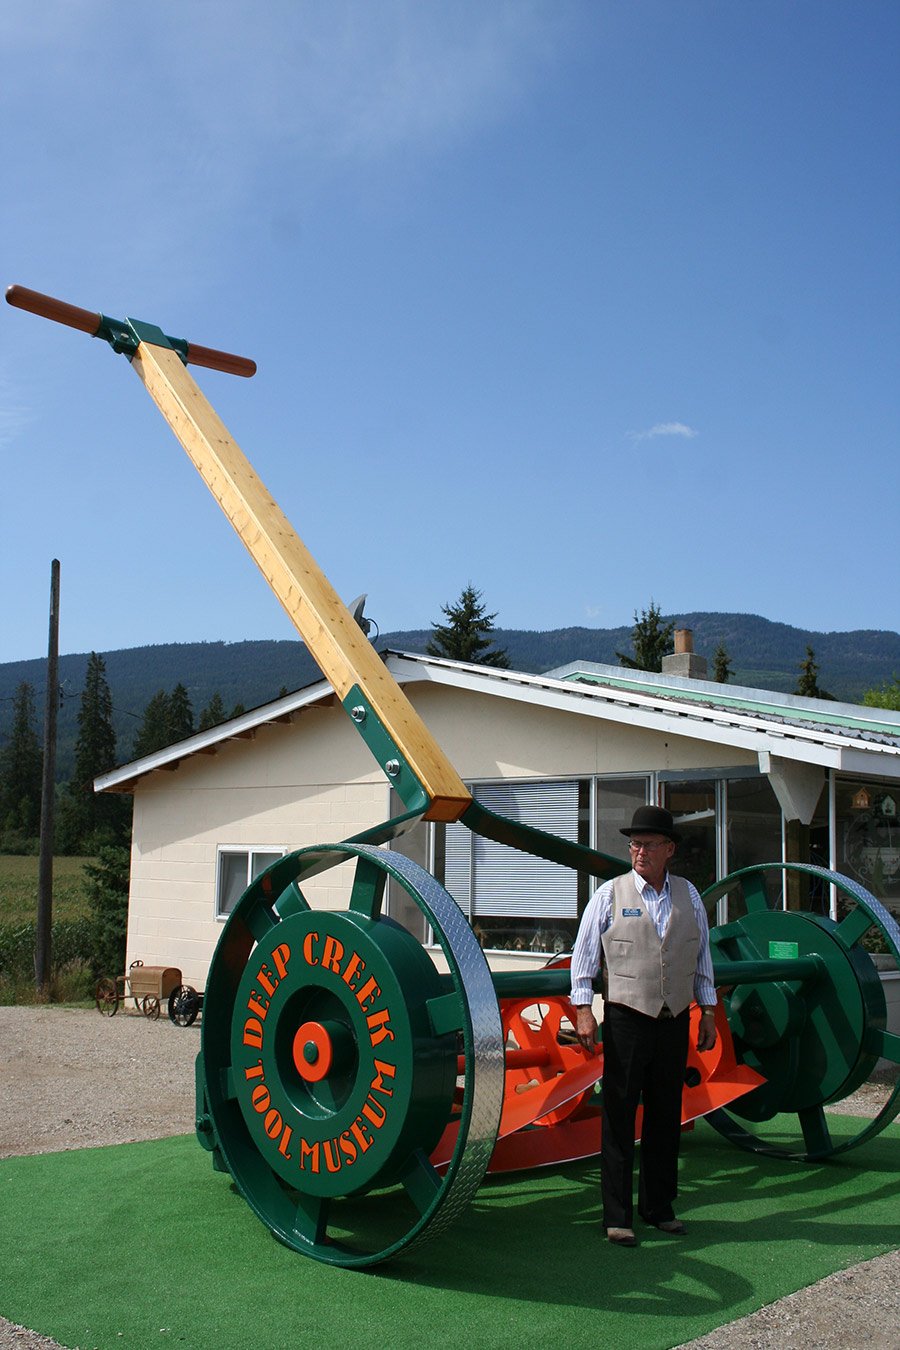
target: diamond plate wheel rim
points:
(876, 1041)
(471, 1002)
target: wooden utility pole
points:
(48, 796)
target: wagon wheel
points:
(815, 1042)
(184, 1004)
(150, 1007)
(106, 997)
(328, 1060)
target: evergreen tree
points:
(651, 640)
(181, 715)
(153, 733)
(106, 887)
(86, 817)
(808, 683)
(467, 636)
(20, 774)
(722, 670)
(212, 714)
(886, 695)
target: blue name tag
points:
(631, 913)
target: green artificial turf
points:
(143, 1245)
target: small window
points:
(237, 868)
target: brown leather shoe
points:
(674, 1227)
(622, 1237)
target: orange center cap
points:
(312, 1052)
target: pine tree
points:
(808, 683)
(181, 715)
(722, 670)
(212, 714)
(651, 640)
(153, 733)
(20, 773)
(87, 817)
(467, 635)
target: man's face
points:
(650, 854)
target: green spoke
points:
(368, 889)
(421, 1182)
(886, 1045)
(755, 897)
(291, 901)
(260, 920)
(446, 1013)
(854, 926)
(815, 1131)
(311, 1220)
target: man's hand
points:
(586, 1028)
(706, 1036)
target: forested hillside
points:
(763, 655)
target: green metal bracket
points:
(383, 746)
(125, 336)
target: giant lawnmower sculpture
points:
(356, 1094)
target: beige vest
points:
(639, 970)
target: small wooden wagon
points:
(147, 985)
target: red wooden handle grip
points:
(49, 308)
(87, 322)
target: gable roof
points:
(841, 736)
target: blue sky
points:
(586, 303)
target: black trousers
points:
(644, 1059)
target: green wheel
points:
(328, 1062)
(816, 1039)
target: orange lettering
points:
(378, 1026)
(311, 1153)
(256, 1071)
(261, 1098)
(273, 1123)
(369, 992)
(348, 1146)
(377, 1084)
(353, 965)
(331, 957)
(308, 949)
(281, 955)
(371, 1109)
(253, 1033)
(255, 1006)
(264, 975)
(332, 1157)
(358, 1130)
(285, 1141)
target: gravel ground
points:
(73, 1079)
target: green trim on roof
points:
(740, 704)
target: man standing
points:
(649, 933)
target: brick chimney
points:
(683, 660)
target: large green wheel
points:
(816, 1039)
(328, 1062)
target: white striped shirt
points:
(597, 918)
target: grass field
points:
(19, 882)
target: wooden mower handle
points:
(87, 321)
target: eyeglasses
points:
(647, 848)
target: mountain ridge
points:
(764, 654)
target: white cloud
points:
(664, 429)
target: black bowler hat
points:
(652, 820)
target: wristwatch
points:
(708, 1012)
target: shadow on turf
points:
(754, 1222)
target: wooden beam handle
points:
(49, 308)
(87, 322)
(216, 360)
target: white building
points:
(750, 776)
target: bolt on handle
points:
(88, 321)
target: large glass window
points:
(617, 801)
(693, 804)
(237, 867)
(867, 844)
